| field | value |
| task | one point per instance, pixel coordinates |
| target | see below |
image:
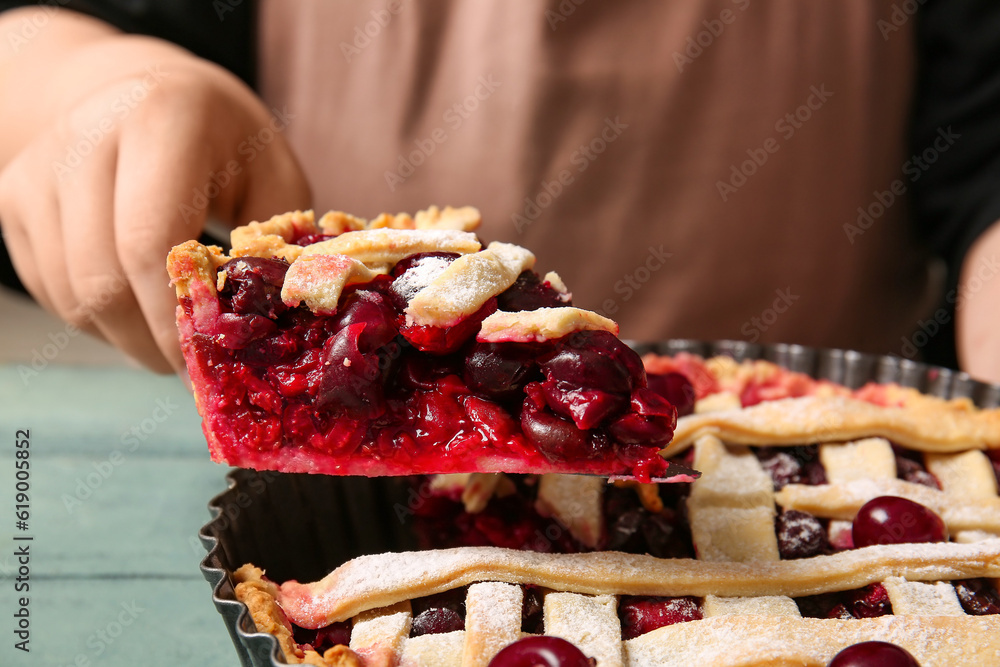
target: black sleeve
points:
(956, 124)
(222, 31)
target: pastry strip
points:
(378, 634)
(383, 579)
(388, 246)
(769, 641)
(468, 283)
(927, 426)
(541, 325)
(590, 623)
(492, 620)
(842, 501)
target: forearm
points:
(50, 59)
(978, 317)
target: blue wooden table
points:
(119, 481)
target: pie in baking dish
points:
(401, 346)
(825, 521)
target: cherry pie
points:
(400, 346)
(826, 522)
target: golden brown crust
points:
(844, 499)
(351, 588)
(925, 426)
(259, 595)
(467, 284)
(388, 246)
(268, 246)
(192, 262)
(541, 324)
(338, 222)
(764, 641)
(288, 226)
(466, 218)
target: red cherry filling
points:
(253, 285)
(676, 388)
(867, 602)
(874, 654)
(500, 371)
(979, 597)
(309, 239)
(529, 292)
(411, 397)
(532, 619)
(436, 621)
(792, 465)
(322, 639)
(892, 520)
(641, 614)
(543, 651)
(800, 535)
(910, 468)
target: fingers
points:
(275, 184)
(30, 214)
(96, 275)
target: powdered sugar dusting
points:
(591, 623)
(923, 427)
(419, 275)
(842, 501)
(493, 620)
(380, 580)
(729, 641)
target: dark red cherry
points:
(500, 370)
(529, 293)
(800, 535)
(350, 380)
(372, 310)
(234, 331)
(557, 438)
(892, 520)
(651, 420)
(912, 471)
(412, 274)
(253, 285)
(532, 610)
(676, 388)
(333, 635)
(309, 239)
(436, 621)
(979, 597)
(541, 651)
(874, 654)
(640, 615)
(585, 385)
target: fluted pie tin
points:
(299, 526)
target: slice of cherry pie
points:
(401, 345)
(825, 524)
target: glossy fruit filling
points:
(363, 391)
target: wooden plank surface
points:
(120, 478)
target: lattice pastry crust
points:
(362, 249)
(743, 600)
(746, 591)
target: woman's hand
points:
(132, 165)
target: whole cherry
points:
(540, 651)
(893, 520)
(874, 654)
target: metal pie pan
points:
(299, 526)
